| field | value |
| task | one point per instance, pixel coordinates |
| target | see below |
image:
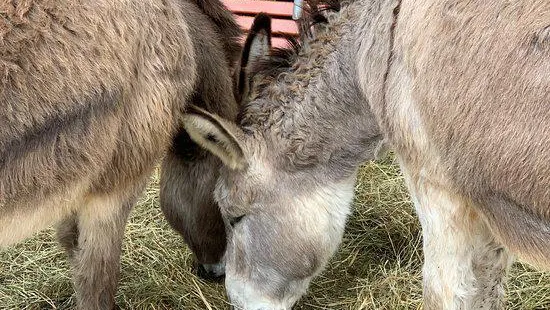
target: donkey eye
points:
(235, 220)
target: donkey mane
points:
(285, 72)
(277, 80)
(282, 59)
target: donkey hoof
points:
(211, 272)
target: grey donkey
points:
(458, 89)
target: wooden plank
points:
(279, 42)
(275, 41)
(278, 26)
(248, 7)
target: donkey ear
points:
(258, 41)
(256, 47)
(220, 137)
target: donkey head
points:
(288, 181)
(282, 226)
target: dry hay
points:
(377, 266)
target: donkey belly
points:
(118, 174)
(21, 219)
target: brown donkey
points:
(459, 89)
(189, 173)
(92, 95)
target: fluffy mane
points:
(283, 59)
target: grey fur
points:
(458, 89)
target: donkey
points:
(188, 172)
(458, 89)
(92, 97)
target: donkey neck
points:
(315, 112)
(375, 44)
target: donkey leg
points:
(93, 239)
(464, 266)
(186, 198)
(67, 235)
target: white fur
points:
(327, 210)
(322, 214)
(247, 297)
(454, 237)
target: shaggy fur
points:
(459, 89)
(92, 94)
(188, 173)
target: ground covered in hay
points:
(377, 266)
